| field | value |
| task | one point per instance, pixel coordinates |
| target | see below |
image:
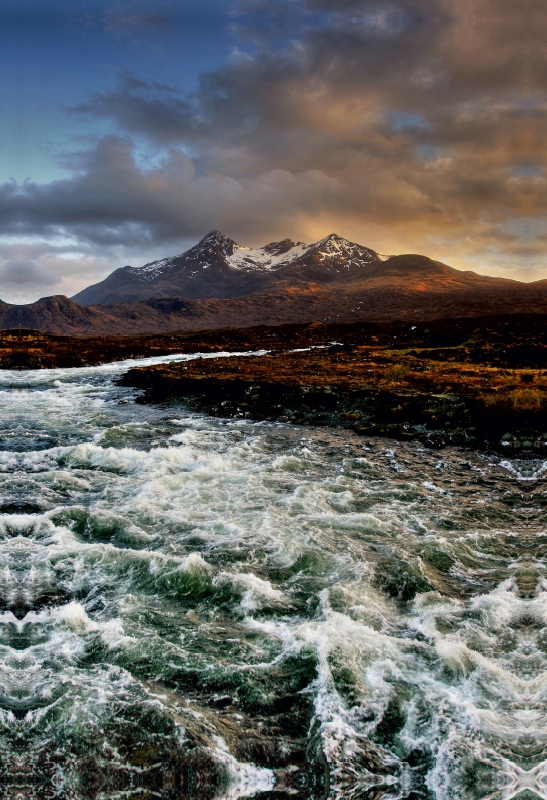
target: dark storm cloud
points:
(470, 71)
(21, 274)
(148, 108)
(113, 201)
(420, 123)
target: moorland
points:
(471, 381)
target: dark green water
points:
(201, 608)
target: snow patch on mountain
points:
(272, 256)
(154, 269)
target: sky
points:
(129, 129)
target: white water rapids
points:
(205, 608)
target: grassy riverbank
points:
(483, 386)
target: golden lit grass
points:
(519, 399)
(369, 367)
(397, 373)
(522, 388)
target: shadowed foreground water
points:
(202, 608)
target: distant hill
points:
(55, 314)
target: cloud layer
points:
(412, 125)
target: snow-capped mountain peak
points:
(334, 246)
(214, 245)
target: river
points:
(206, 608)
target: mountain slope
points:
(411, 273)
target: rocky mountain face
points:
(219, 267)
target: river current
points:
(205, 608)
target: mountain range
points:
(219, 267)
(219, 283)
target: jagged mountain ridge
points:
(219, 267)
